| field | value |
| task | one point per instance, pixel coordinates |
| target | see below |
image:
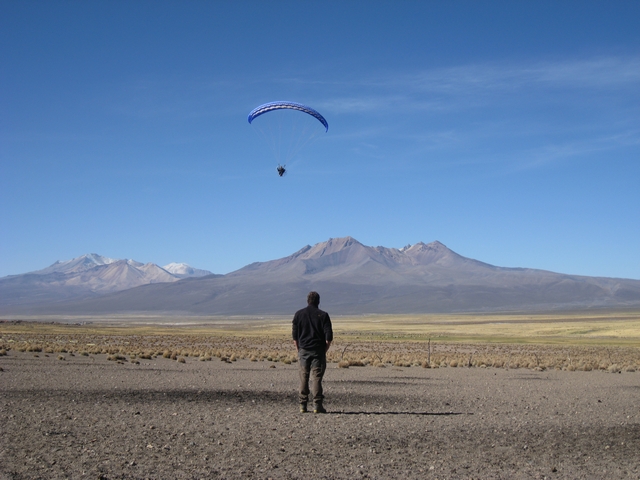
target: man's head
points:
(313, 299)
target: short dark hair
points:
(313, 299)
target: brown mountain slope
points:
(356, 279)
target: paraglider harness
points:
(281, 169)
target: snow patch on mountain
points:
(184, 270)
(78, 264)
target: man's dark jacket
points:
(312, 328)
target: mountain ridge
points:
(353, 278)
(88, 275)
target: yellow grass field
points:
(568, 341)
(567, 328)
(607, 328)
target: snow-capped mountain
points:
(353, 278)
(78, 264)
(87, 275)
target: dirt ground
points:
(86, 417)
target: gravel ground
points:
(86, 417)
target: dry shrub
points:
(343, 364)
(3, 352)
(116, 358)
(182, 360)
(375, 353)
(614, 368)
(61, 357)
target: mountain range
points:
(351, 278)
(87, 276)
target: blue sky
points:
(509, 131)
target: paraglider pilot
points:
(281, 169)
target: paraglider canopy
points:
(268, 107)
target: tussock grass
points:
(572, 342)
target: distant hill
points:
(87, 276)
(356, 279)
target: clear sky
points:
(509, 131)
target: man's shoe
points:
(319, 409)
(303, 408)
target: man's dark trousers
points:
(312, 366)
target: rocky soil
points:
(86, 417)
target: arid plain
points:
(495, 396)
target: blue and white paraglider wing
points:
(271, 106)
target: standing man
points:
(312, 336)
